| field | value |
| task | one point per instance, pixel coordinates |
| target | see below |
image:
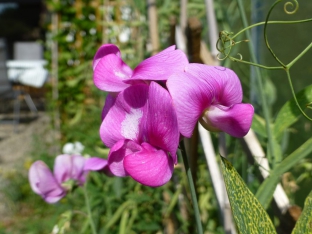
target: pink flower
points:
(140, 127)
(111, 74)
(69, 171)
(212, 95)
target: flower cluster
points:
(149, 108)
(69, 171)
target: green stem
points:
(255, 64)
(294, 95)
(265, 108)
(89, 209)
(271, 22)
(299, 56)
(192, 188)
(265, 34)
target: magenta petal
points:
(124, 118)
(110, 73)
(109, 102)
(43, 182)
(161, 65)
(95, 164)
(117, 154)
(235, 120)
(224, 82)
(191, 96)
(67, 167)
(103, 51)
(162, 124)
(149, 166)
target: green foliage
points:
(290, 113)
(304, 224)
(249, 215)
(266, 190)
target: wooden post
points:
(153, 28)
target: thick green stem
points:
(92, 225)
(265, 108)
(192, 188)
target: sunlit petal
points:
(149, 166)
(235, 120)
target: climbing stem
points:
(299, 56)
(265, 34)
(294, 95)
(192, 188)
(271, 22)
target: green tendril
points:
(294, 95)
(292, 5)
(265, 34)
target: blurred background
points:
(48, 99)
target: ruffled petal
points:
(124, 118)
(69, 167)
(103, 51)
(149, 166)
(43, 182)
(110, 73)
(117, 154)
(235, 120)
(162, 126)
(161, 65)
(191, 96)
(224, 82)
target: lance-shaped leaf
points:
(304, 224)
(266, 190)
(249, 215)
(290, 113)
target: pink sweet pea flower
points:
(141, 129)
(212, 95)
(111, 74)
(69, 170)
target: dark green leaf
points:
(249, 215)
(290, 113)
(304, 224)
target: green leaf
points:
(249, 215)
(304, 224)
(258, 125)
(290, 113)
(266, 189)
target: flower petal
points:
(110, 73)
(191, 96)
(109, 102)
(103, 51)
(162, 126)
(95, 164)
(225, 83)
(235, 120)
(149, 166)
(117, 154)
(67, 167)
(124, 118)
(43, 182)
(161, 65)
